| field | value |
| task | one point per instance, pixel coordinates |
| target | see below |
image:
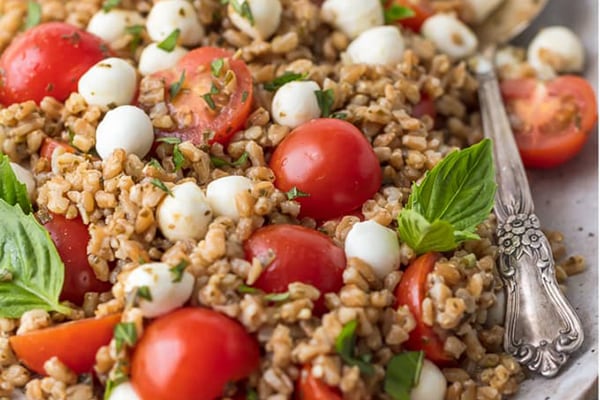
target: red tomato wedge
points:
(192, 353)
(421, 8)
(47, 60)
(74, 343)
(331, 163)
(294, 253)
(210, 109)
(551, 120)
(411, 291)
(311, 388)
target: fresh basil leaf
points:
(402, 374)
(11, 189)
(125, 333)
(32, 269)
(143, 292)
(281, 80)
(169, 43)
(177, 271)
(136, 36)
(294, 193)
(423, 236)
(216, 66)
(161, 185)
(110, 4)
(175, 87)
(395, 13)
(325, 98)
(345, 345)
(34, 14)
(277, 297)
(246, 289)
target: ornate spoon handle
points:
(542, 329)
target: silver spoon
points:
(541, 328)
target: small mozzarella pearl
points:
(481, 9)
(125, 127)
(109, 82)
(222, 193)
(353, 17)
(432, 383)
(184, 215)
(558, 49)
(450, 36)
(124, 391)
(374, 244)
(296, 103)
(111, 25)
(166, 291)
(25, 177)
(382, 45)
(266, 15)
(168, 15)
(154, 59)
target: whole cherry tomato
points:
(311, 388)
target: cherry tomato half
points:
(552, 120)
(426, 106)
(74, 343)
(49, 145)
(47, 60)
(411, 291)
(332, 163)
(421, 8)
(311, 388)
(296, 254)
(71, 237)
(217, 109)
(192, 353)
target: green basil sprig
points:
(11, 190)
(402, 374)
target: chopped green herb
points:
(12, 190)
(216, 66)
(325, 98)
(281, 80)
(110, 4)
(244, 96)
(209, 101)
(178, 158)
(136, 36)
(345, 345)
(247, 289)
(213, 88)
(143, 292)
(242, 9)
(116, 378)
(169, 140)
(177, 271)
(455, 196)
(219, 162)
(169, 43)
(395, 13)
(402, 374)
(125, 333)
(161, 185)
(154, 163)
(176, 86)
(294, 193)
(34, 14)
(251, 394)
(241, 160)
(339, 115)
(277, 297)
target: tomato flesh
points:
(208, 122)
(421, 8)
(411, 291)
(71, 236)
(192, 353)
(311, 388)
(49, 145)
(332, 163)
(74, 343)
(551, 121)
(47, 60)
(296, 254)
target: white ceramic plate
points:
(566, 199)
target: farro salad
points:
(262, 199)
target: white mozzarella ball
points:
(222, 193)
(450, 35)
(353, 17)
(168, 15)
(25, 177)
(185, 214)
(496, 313)
(265, 13)
(111, 25)
(432, 383)
(109, 82)
(296, 103)
(382, 45)
(154, 59)
(556, 48)
(166, 290)
(481, 9)
(124, 391)
(374, 244)
(125, 127)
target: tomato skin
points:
(228, 120)
(47, 60)
(421, 8)
(49, 145)
(74, 343)
(192, 353)
(426, 106)
(311, 388)
(411, 291)
(554, 119)
(333, 162)
(298, 254)
(71, 236)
